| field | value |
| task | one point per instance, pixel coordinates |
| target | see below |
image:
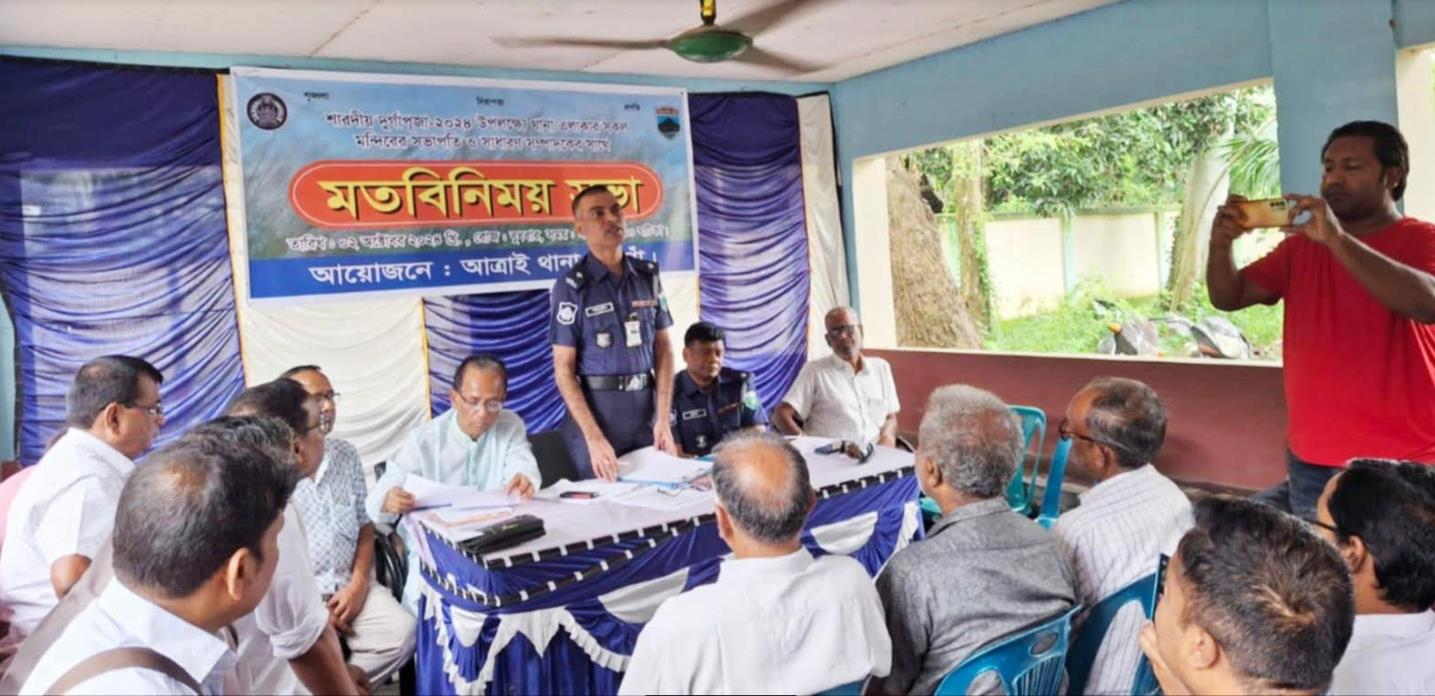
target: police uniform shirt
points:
(611, 320)
(700, 418)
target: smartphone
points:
(1267, 212)
(831, 447)
(578, 495)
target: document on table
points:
(652, 466)
(458, 525)
(658, 498)
(428, 493)
(598, 489)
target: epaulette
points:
(575, 277)
(646, 266)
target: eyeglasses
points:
(845, 331)
(154, 411)
(1063, 430)
(327, 396)
(1328, 527)
(490, 405)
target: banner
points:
(363, 184)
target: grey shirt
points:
(982, 572)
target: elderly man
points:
(1254, 603)
(710, 400)
(475, 443)
(1127, 520)
(776, 620)
(66, 510)
(195, 548)
(844, 396)
(983, 571)
(1381, 517)
(378, 630)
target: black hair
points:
(282, 398)
(1276, 597)
(1391, 506)
(1390, 147)
(586, 192)
(770, 516)
(192, 504)
(110, 379)
(480, 361)
(299, 369)
(702, 332)
(1127, 414)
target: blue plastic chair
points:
(1088, 640)
(1031, 661)
(849, 689)
(1019, 490)
(1051, 499)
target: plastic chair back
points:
(1031, 661)
(849, 689)
(1051, 499)
(554, 462)
(1093, 632)
(1033, 433)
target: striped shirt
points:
(1112, 539)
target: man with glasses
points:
(475, 443)
(1130, 516)
(378, 630)
(846, 395)
(1381, 517)
(66, 510)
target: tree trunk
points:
(1206, 189)
(929, 309)
(975, 291)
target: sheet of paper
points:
(432, 494)
(600, 489)
(458, 525)
(653, 466)
(669, 499)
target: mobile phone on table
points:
(578, 495)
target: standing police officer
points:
(709, 400)
(609, 332)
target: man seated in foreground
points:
(710, 400)
(1254, 603)
(844, 396)
(1381, 517)
(1126, 520)
(983, 571)
(776, 620)
(377, 629)
(475, 443)
(195, 548)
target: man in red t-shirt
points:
(1359, 293)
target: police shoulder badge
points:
(749, 399)
(567, 312)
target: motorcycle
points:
(1209, 337)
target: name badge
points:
(634, 331)
(695, 413)
(645, 303)
(595, 310)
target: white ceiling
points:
(847, 37)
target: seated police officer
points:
(609, 332)
(709, 400)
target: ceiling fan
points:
(709, 42)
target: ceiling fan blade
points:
(757, 56)
(622, 44)
(758, 21)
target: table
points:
(562, 613)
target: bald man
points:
(777, 620)
(844, 396)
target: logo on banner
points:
(668, 123)
(267, 111)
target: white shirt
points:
(67, 507)
(440, 451)
(1388, 654)
(783, 625)
(1112, 539)
(837, 402)
(287, 622)
(120, 618)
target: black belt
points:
(626, 383)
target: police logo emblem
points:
(668, 123)
(603, 339)
(749, 399)
(567, 312)
(267, 111)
